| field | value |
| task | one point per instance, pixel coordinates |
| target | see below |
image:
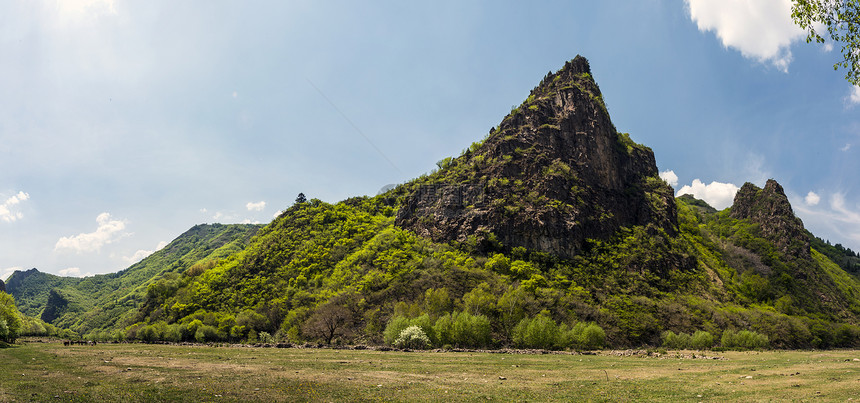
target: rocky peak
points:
(771, 210)
(553, 174)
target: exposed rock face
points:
(552, 175)
(771, 210)
(2, 286)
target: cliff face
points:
(771, 210)
(553, 174)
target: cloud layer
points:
(761, 30)
(108, 231)
(837, 217)
(719, 195)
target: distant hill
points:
(104, 301)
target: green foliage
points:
(702, 340)
(395, 326)
(676, 341)
(207, 334)
(10, 319)
(590, 337)
(538, 332)
(412, 338)
(841, 19)
(744, 340)
(463, 329)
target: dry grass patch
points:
(135, 372)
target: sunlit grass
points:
(137, 372)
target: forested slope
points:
(105, 301)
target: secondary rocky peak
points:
(553, 174)
(771, 210)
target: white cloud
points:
(74, 272)
(828, 47)
(258, 206)
(107, 232)
(812, 198)
(761, 30)
(670, 177)
(7, 209)
(854, 97)
(141, 253)
(277, 213)
(846, 147)
(718, 195)
(249, 221)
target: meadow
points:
(50, 371)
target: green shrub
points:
(592, 337)
(206, 333)
(675, 341)
(412, 338)
(538, 332)
(463, 329)
(744, 340)
(702, 340)
(397, 324)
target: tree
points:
(10, 319)
(842, 20)
(301, 198)
(329, 320)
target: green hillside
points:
(350, 255)
(105, 301)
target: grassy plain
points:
(139, 372)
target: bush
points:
(397, 324)
(702, 340)
(675, 341)
(412, 338)
(206, 333)
(592, 337)
(463, 329)
(538, 332)
(744, 340)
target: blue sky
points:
(123, 124)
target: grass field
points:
(138, 372)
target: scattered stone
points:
(501, 378)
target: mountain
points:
(2, 286)
(554, 174)
(554, 224)
(103, 301)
